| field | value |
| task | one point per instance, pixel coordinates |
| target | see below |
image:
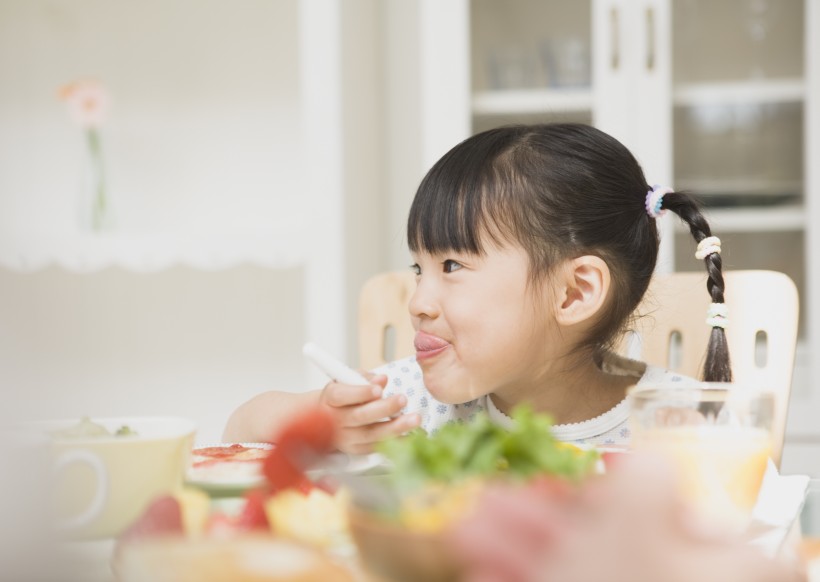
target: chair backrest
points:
(385, 330)
(670, 329)
(762, 332)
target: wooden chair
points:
(669, 331)
(385, 331)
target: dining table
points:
(792, 539)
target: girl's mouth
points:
(428, 346)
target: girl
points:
(532, 246)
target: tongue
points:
(427, 343)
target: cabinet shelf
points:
(740, 92)
(545, 100)
(750, 187)
(532, 101)
(761, 219)
(149, 252)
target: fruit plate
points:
(230, 469)
(227, 469)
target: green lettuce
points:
(481, 448)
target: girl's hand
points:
(363, 417)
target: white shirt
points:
(610, 428)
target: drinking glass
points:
(718, 436)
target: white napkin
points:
(778, 506)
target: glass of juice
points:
(718, 436)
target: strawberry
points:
(326, 484)
(307, 437)
(253, 515)
(162, 516)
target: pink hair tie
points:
(654, 200)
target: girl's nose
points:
(422, 302)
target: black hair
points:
(560, 190)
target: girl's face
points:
(480, 327)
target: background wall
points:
(204, 138)
(179, 342)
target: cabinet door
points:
(531, 61)
(632, 79)
(738, 119)
(742, 89)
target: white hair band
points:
(708, 246)
(717, 315)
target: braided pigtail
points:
(717, 367)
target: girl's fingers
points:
(373, 411)
(379, 379)
(340, 395)
(337, 394)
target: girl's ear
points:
(585, 288)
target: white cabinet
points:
(720, 98)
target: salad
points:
(438, 477)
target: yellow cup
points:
(101, 484)
(717, 436)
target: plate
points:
(227, 469)
(230, 469)
(351, 464)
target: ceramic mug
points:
(101, 484)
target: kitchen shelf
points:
(790, 217)
(532, 101)
(739, 93)
(743, 186)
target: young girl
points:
(532, 247)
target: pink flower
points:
(87, 102)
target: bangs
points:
(460, 202)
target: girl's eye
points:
(415, 268)
(450, 265)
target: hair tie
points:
(708, 246)
(717, 315)
(654, 200)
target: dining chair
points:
(669, 329)
(385, 331)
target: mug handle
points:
(95, 507)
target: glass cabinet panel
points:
(733, 40)
(530, 61)
(738, 118)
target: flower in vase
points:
(88, 103)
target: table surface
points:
(89, 561)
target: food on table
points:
(86, 428)
(317, 517)
(438, 477)
(185, 512)
(285, 503)
(721, 467)
(253, 515)
(227, 463)
(296, 507)
(306, 439)
(438, 504)
(243, 558)
(163, 516)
